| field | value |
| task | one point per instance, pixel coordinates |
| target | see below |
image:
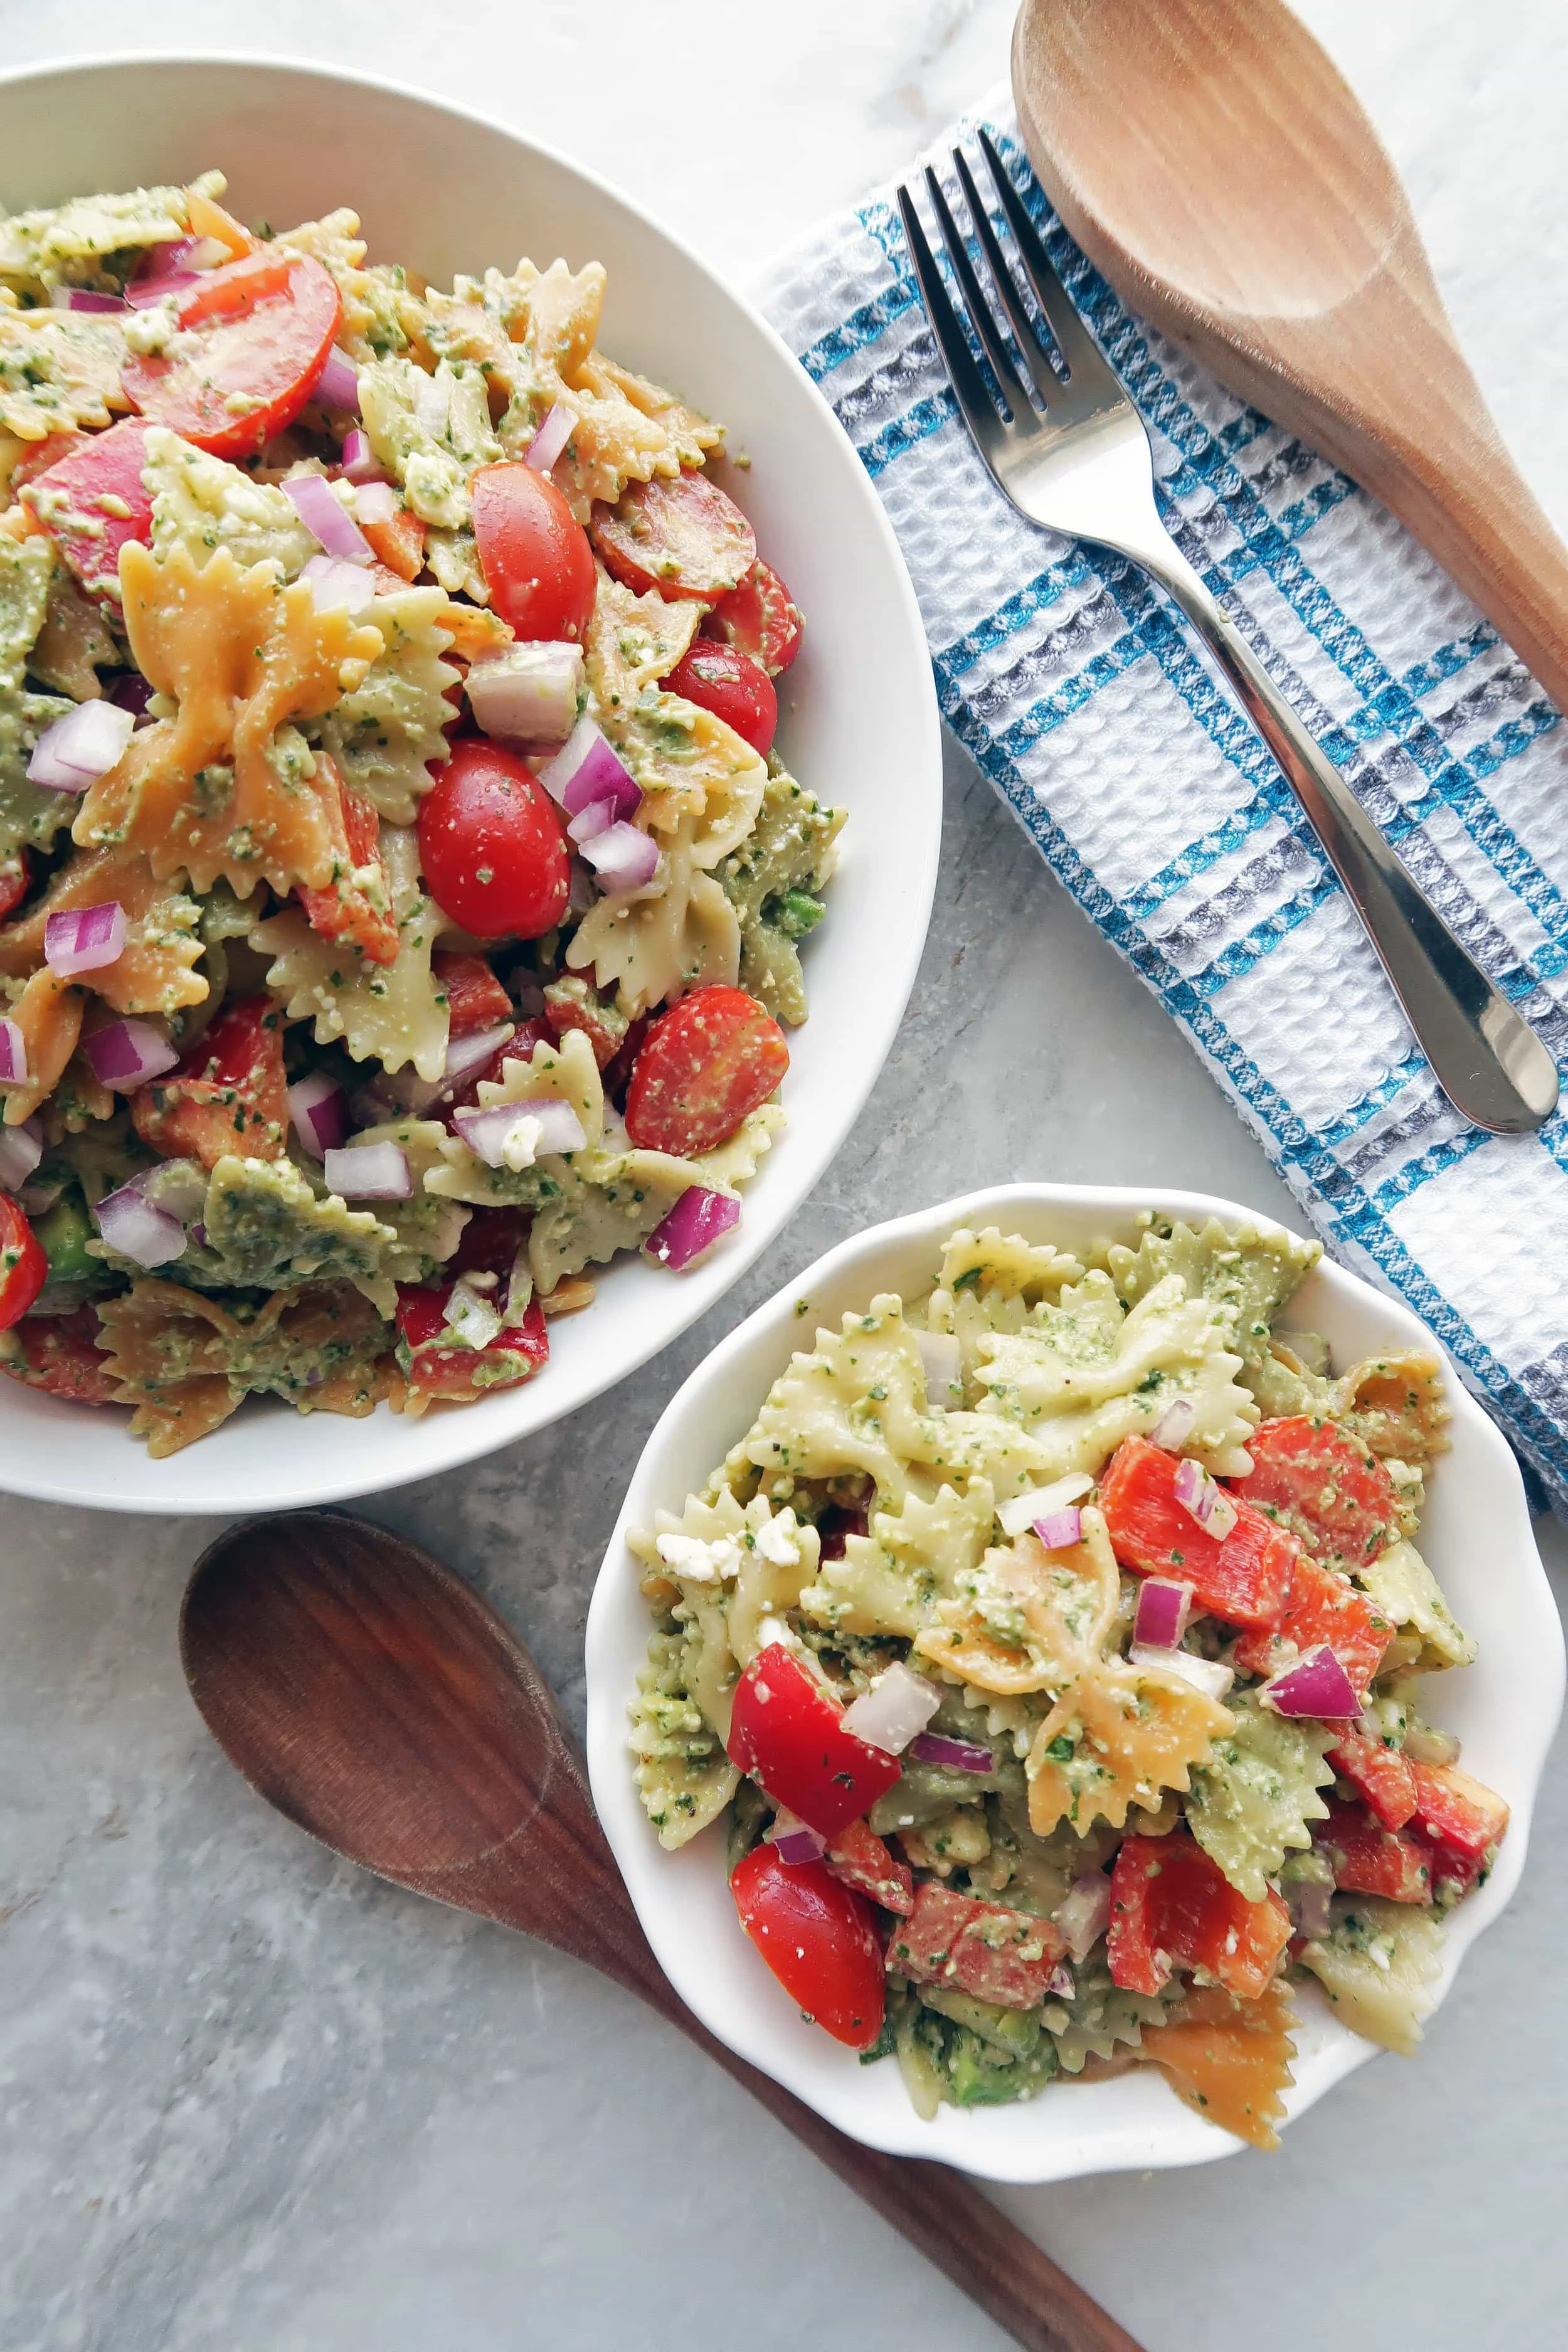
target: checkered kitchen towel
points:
(1069, 681)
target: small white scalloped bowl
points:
(444, 190)
(1476, 1534)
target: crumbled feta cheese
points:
(702, 1563)
(778, 1540)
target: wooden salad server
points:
(1216, 168)
(372, 1697)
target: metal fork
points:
(1070, 451)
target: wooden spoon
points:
(367, 1693)
(1216, 168)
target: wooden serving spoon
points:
(1216, 168)
(365, 1691)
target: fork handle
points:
(1486, 1057)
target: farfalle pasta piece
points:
(1404, 1588)
(57, 244)
(684, 1779)
(993, 1262)
(1249, 1804)
(1119, 1735)
(201, 503)
(1229, 2058)
(1102, 2020)
(688, 762)
(386, 732)
(1379, 1965)
(227, 787)
(155, 971)
(1028, 1619)
(48, 1011)
(30, 817)
(1248, 1272)
(891, 1580)
(1395, 1405)
(382, 313)
(855, 1402)
(59, 371)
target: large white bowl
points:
(444, 191)
(1476, 1534)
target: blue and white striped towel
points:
(1077, 691)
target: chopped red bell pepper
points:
(1382, 1776)
(1367, 1859)
(475, 997)
(228, 1094)
(1326, 1486)
(1242, 1577)
(820, 1940)
(1321, 1606)
(981, 1949)
(788, 1734)
(518, 1351)
(345, 908)
(857, 1855)
(1173, 1907)
(1458, 1822)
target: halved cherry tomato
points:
(758, 618)
(346, 910)
(1172, 1907)
(1320, 1606)
(13, 877)
(1382, 1776)
(1367, 1859)
(61, 1355)
(265, 326)
(24, 1268)
(475, 997)
(732, 686)
(1323, 1485)
(574, 1008)
(228, 1095)
(1459, 1822)
(707, 1063)
(533, 552)
(981, 1949)
(683, 537)
(857, 1855)
(68, 500)
(516, 1353)
(399, 542)
(492, 846)
(788, 1733)
(1245, 1578)
(819, 1938)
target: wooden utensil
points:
(1216, 168)
(365, 1691)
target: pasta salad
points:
(401, 897)
(1047, 1652)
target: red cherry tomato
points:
(518, 1350)
(1171, 1905)
(265, 326)
(491, 844)
(789, 1735)
(24, 1268)
(534, 553)
(819, 1938)
(732, 686)
(758, 618)
(707, 1062)
(229, 1094)
(61, 1355)
(683, 537)
(66, 498)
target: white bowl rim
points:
(1099, 2139)
(471, 1433)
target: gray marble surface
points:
(252, 2099)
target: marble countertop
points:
(253, 2099)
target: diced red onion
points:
(1059, 1985)
(336, 586)
(85, 939)
(82, 297)
(587, 768)
(13, 1054)
(359, 462)
(319, 1110)
(529, 694)
(326, 517)
(794, 1840)
(1059, 1531)
(959, 1755)
(1309, 1902)
(1205, 1501)
(135, 1229)
(562, 1130)
(131, 693)
(942, 1360)
(37, 1199)
(698, 1219)
(1084, 1913)
(591, 822)
(1205, 1674)
(82, 746)
(128, 1052)
(1164, 1610)
(623, 859)
(900, 1704)
(169, 256)
(145, 293)
(466, 1055)
(1317, 1685)
(337, 386)
(376, 502)
(21, 1148)
(551, 438)
(1019, 1512)
(491, 1134)
(369, 1171)
(1174, 1425)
